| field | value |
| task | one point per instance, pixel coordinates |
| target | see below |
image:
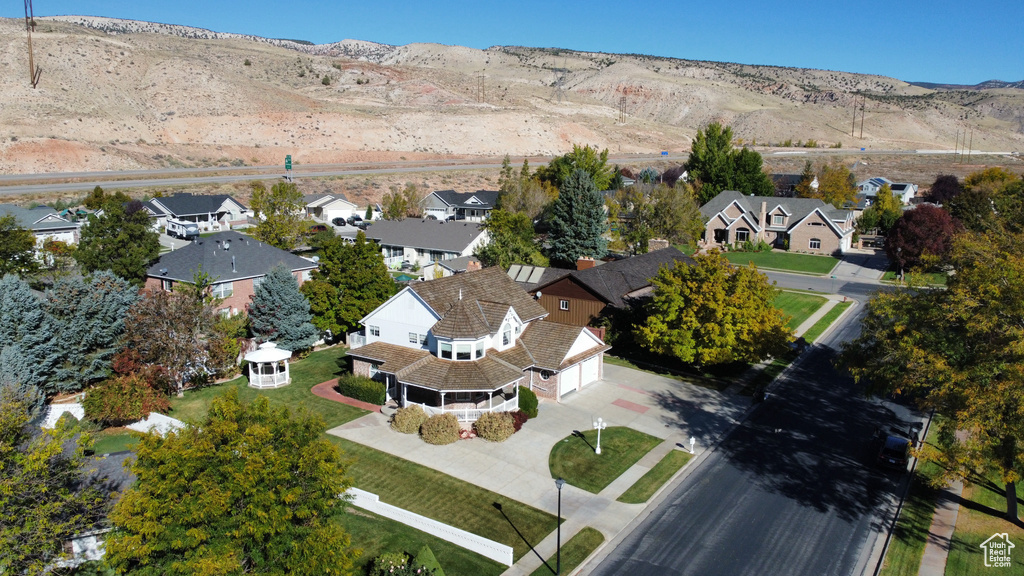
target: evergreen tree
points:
(714, 166)
(578, 221)
(279, 312)
(17, 248)
(26, 338)
(510, 241)
(359, 278)
(88, 316)
(121, 241)
(585, 158)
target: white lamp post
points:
(599, 425)
(693, 441)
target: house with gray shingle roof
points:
(464, 344)
(795, 224)
(469, 206)
(44, 222)
(327, 207)
(421, 242)
(210, 211)
(236, 263)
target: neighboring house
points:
(236, 263)
(421, 242)
(579, 296)
(446, 268)
(471, 206)
(785, 184)
(44, 222)
(905, 191)
(211, 212)
(797, 224)
(327, 207)
(464, 344)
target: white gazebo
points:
(268, 366)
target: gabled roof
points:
(549, 343)
(186, 204)
(321, 200)
(614, 280)
(460, 264)
(36, 219)
(530, 277)
(154, 209)
(474, 304)
(425, 234)
(244, 258)
(478, 199)
(797, 208)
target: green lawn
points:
(574, 458)
(798, 306)
(445, 498)
(113, 440)
(928, 278)
(374, 535)
(803, 263)
(714, 377)
(825, 321)
(318, 367)
(649, 483)
(977, 521)
(574, 552)
(903, 557)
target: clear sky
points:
(916, 40)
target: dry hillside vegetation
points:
(119, 94)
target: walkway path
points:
(326, 390)
(940, 535)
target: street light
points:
(599, 425)
(558, 538)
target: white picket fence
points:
(488, 548)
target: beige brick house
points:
(794, 224)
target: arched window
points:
(815, 244)
(506, 334)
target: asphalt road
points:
(793, 490)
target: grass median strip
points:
(798, 306)
(575, 459)
(574, 552)
(825, 321)
(445, 498)
(655, 478)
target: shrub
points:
(528, 402)
(426, 559)
(123, 399)
(247, 62)
(518, 419)
(440, 429)
(398, 564)
(494, 426)
(362, 388)
(409, 419)
(326, 80)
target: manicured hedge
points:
(440, 429)
(409, 419)
(495, 426)
(528, 401)
(362, 388)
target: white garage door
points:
(590, 371)
(569, 380)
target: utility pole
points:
(622, 110)
(853, 125)
(970, 147)
(956, 146)
(863, 105)
(30, 24)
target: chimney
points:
(761, 220)
(584, 262)
(472, 266)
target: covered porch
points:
(466, 405)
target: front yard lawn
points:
(445, 498)
(318, 367)
(113, 440)
(803, 263)
(649, 483)
(982, 514)
(825, 321)
(798, 306)
(574, 552)
(927, 278)
(375, 535)
(574, 458)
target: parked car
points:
(894, 453)
(339, 221)
(354, 220)
(317, 228)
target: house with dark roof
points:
(580, 296)
(236, 263)
(449, 204)
(464, 344)
(905, 191)
(421, 242)
(795, 224)
(44, 222)
(210, 212)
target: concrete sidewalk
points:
(518, 468)
(940, 535)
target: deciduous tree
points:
(921, 237)
(17, 248)
(713, 313)
(523, 193)
(280, 212)
(945, 188)
(254, 490)
(578, 221)
(280, 313)
(121, 240)
(511, 241)
(836, 185)
(584, 158)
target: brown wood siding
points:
(580, 311)
(569, 288)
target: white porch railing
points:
(356, 340)
(394, 261)
(269, 380)
(470, 414)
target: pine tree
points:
(26, 337)
(88, 317)
(578, 221)
(279, 312)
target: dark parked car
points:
(895, 452)
(353, 219)
(339, 221)
(317, 228)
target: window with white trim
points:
(506, 335)
(414, 338)
(778, 219)
(480, 349)
(257, 281)
(742, 234)
(374, 369)
(423, 339)
(444, 350)
(167, 285)
(815, 244)
(222, 290)
(463, 352)
(373, 330)
(563, 304)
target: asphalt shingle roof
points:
(798, 208)
(425, 234)
(487, 285)
(489, 198)
(29, 218)
(245, 258)
(614, 280)
(186, 204)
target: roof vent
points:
(163, 271)
(232, 263)
(227, 244)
